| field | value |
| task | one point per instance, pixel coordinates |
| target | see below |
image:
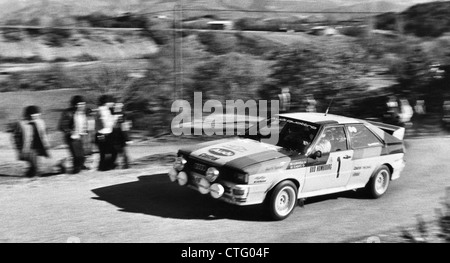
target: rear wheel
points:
(379, 183)
(282, 200)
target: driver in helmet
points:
(324, 144)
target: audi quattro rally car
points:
(314, 155)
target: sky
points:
(15, 4)
(340, 1)
(412, 2)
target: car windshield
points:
(294, 135)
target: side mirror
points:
(316, 155)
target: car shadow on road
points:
(155, 195)
(11, 176)
(359, 195)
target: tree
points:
(413, 74)
(13, 35)
(56, 37)
(32, 31)
(291, 65)
(225, 77)
(216, 43)
(328, 72)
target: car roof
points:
(320, 118)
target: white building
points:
(221, 25)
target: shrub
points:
(97, 19)
(427, 20)
(444, 219)
(422, 232)
(52, 78)
(161, 37)
(31, 59)
(12, 34)
(217, 43)
(129, 20)
(354, 31)
(386, 21)
(85, 57)
(33, 32)
(60, 59)
(254, 45)
(119, 39)
(56, 37)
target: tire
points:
(282, 200)
(379, 183)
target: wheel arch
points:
(391, 169)
(293, 180)
(270, 202)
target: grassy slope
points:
(51, 103)
(102, 46)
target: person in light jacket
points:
(104, 124)
(31, 139)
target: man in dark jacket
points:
(74, 125)
(30, 138)
(120, 136)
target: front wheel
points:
(282, 200)
(379, 183)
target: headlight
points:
(173, 175)
(212, 174)
(217, 191)
(179, 164)
(182, 178)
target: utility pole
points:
(178, 50)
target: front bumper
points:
(236, 194)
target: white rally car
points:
(316, 154)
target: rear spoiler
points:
(396, 131)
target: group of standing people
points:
(285, 98)
(82, 128)
(111, 133)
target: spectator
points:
(90, 140)
(406, 112)
(31, 140)
(104, 125)
(393, 111)
(120, 134)
(420, 107)
(285, 100)
(311, 104)
(74, 125)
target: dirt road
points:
(141, 205)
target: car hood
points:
(237, 152)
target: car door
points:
(333, 168)
(367, 149)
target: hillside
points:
(432, 19)
(297, 6)
(372, 6)
(29, 9)
(422, 20)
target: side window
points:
(333, 139)
(362, 137)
